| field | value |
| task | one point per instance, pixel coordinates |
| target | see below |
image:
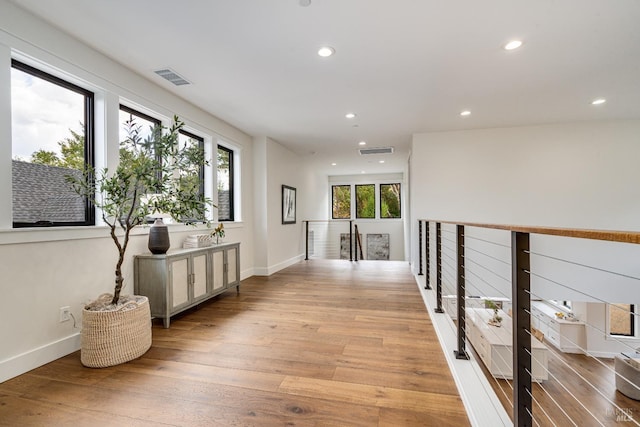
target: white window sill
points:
(52, 234)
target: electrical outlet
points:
(65, 314)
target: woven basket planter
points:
(117, 336)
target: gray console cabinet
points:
(183, 278)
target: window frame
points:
(89, 142)
(399, 200)
(632, 321)
(232, 187)
(333, 198)
(201, 186)
(355, 194)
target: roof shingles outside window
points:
(41, 193)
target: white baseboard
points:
(17, 365)
(268, 271)
(482, 405)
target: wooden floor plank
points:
(321, 343)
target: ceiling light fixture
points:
(598, 101)
(350, 115)
(381, 161)
(362, 172)
(326, 51)
(333, 164)
(465, 113)
(362, 143)
(513, 44)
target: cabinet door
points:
(179, 272)
(199, 276)
(218, 270)
(232, 261)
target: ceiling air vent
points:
(380, 150)
(172, 76)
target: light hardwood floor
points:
(592, 384)
(321, 343)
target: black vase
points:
(159, 237)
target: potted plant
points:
(117, 328)
(496, 319)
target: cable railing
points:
(564, 349)
(336, 239)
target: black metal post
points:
(426, 255)
(356, 239)
(306, 243)
(420, 246)
(350, 240)
(461, 352)
(438, 269)
(521, 286)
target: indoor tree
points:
(155, 165)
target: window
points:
(143, 124)
(192, 143)
(52, 137)
(133, 122)
(225, 184)
(390, 201)
(341, 201)
(366, 201)
(622, 319)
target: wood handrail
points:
(607, 235)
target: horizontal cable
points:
(574, 289)
(489, 270)
(488, 241)
(584, 265)
(499, 292)
(544, 390)
(467, 248)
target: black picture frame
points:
(288, 205)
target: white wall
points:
(393, 227)
(277, 245)
(45, 269)
(575, 175)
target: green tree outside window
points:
(341, 202)
(366, 201)
(390, 201)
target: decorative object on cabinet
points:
(496, 319)
(567, 334)
(218, 233)
(156, 163)
(181, 279)
(288, 205)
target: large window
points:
(389, 200)
(622, 319)
(190, 143)
(137, 122)
(341, 202)
(366, 201)
(52, 138)
(225, 184)
(364, 196)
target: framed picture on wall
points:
(288, 205)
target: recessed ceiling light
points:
(598, 101)
(513, 44)
(362, 171)
(381, 161)
(465, 113)
(350, 115)
(326, 51)
(333, 164)
(362, 143)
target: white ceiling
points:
(404, 66)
